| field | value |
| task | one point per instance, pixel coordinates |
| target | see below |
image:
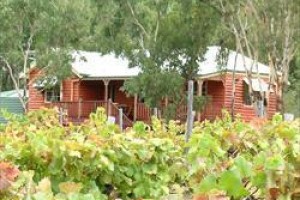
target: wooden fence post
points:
(79, 108)
(121, 118)
(109, 107)
(135, 107)
(155, 113)
(199, 93)
(189, 123)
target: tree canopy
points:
(43, 32)
(165, 39)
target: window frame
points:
(56, 95)
(246, 95)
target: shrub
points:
(138, 164)
(242, 162)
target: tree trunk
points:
(15, 84)
(233, 88)
(280, 97)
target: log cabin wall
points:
(70, 91)
(36, 98)
(74, 89)
(91, 90)
(216, 91)
(272, 104)
(120, 96)
(67, 90)
(246, 111)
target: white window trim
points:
(244, 98)
(60, 94)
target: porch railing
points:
(113, 110)
(143, 112)
(78, 111)
(211, 111)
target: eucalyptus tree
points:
(265, 31)
(292, 95)
(165, 39)
(282, 39)
(43, 32)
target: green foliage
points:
(166, 39)
(292, 94)
(153, 86)
(97, 161)
(138, 164)
(43, 32)
(234, 158)
(200, 102)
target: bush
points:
(97, 161)
(234, 159)
(140, 163)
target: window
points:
(52, 95)
(205, 88)
(247, 96)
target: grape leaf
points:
(230, 181)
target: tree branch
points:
(16, 86)
(157, 27)
(26, 53)
(136, 21)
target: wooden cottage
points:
(97, 80)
